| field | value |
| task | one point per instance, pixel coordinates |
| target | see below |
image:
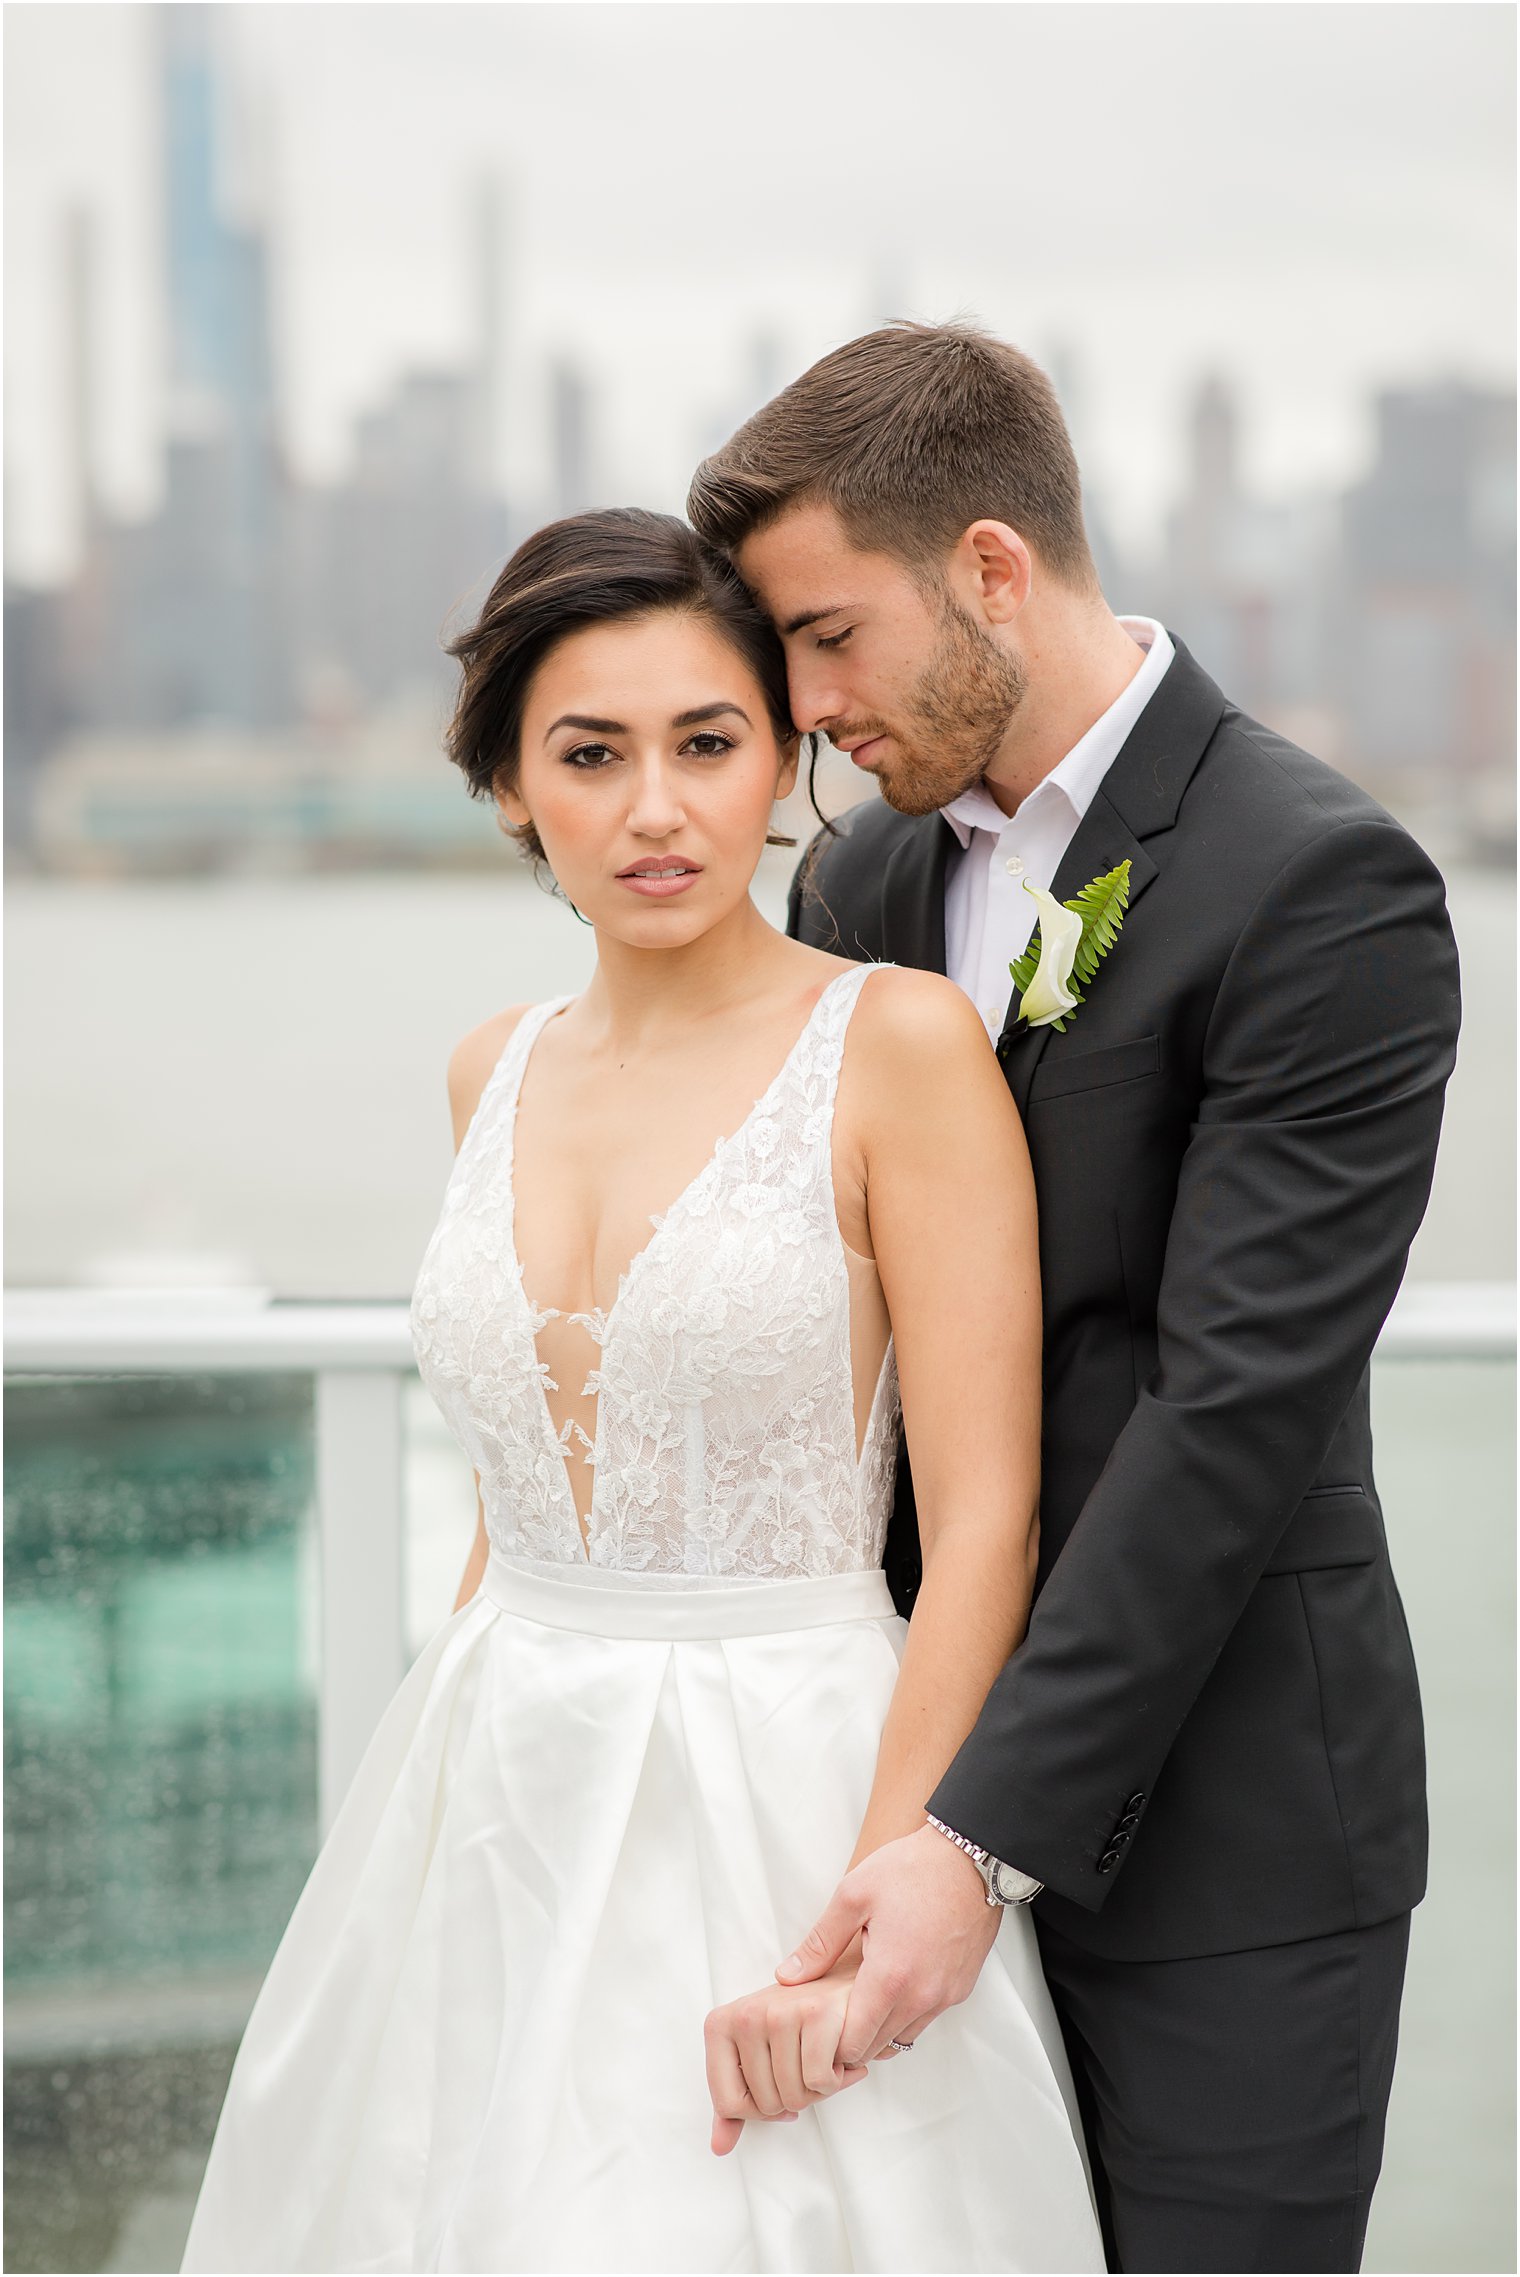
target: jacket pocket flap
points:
(1061, 1071)
(1331, 1526)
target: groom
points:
(1204, 1764)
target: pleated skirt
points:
(594, 1810)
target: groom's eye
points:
(836, 640)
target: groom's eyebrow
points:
(814, 616)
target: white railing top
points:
(169, 1331)
(1458, 1319)
(61, 1331)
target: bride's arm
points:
(470, 1066)
(950, 1214)
(480, 1550)
(935, 1180)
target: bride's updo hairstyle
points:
(594, 569)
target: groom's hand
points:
(921, 1912)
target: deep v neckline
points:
(598, 1323)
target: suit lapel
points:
(1137, 801)
(1103, 840)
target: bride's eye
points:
(709, 744)
(837, 640)
(588, 755)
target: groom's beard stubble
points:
(954, 719)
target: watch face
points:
(1010, 1885)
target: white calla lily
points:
(1048, 996)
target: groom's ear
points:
(995, 570)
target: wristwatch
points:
(1004, 1885)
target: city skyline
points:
(256, 667)
(1380, 253)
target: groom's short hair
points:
(910, 433)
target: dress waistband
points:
(605, 1603)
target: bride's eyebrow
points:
(583, 719)
(710, 711)
(693, 718)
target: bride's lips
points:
(647, 878)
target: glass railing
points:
(160, 1773)
(228, 1530)
(1444, 1434)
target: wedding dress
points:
(618, 1785)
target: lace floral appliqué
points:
(725, 1432)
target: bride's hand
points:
(775, 2052)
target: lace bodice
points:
(725, 1440)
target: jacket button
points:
(1108, 1861)
(1130, 1820)
(1117, 1840)
(1135, 1803)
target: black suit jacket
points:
(1210, 1737)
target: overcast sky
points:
(1311, 197)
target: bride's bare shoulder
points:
(904, 1012)
(920, 1053)
(926, 1097)
(471, 1062)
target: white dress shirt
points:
(988, 915)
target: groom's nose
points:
(816, 698)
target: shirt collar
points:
(1077, 776)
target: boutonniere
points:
(1069, 941)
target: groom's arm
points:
(1304, 1180)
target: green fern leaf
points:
(1101, 906)
(1022, 973)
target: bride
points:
(704, 1220)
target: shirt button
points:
(1014, 866)
(993, 1015)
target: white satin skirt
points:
(594, 1810)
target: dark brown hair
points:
(592, 569)
(911, 434)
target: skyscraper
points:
(570, 438)
(1425, 665)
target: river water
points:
(243, 1080)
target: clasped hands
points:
(902, 1939)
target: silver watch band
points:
(1003, 1884)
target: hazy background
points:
(311, 313)
(1314, 200)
